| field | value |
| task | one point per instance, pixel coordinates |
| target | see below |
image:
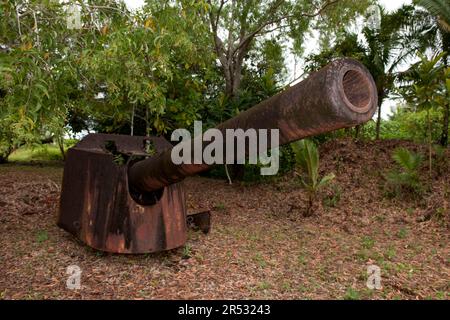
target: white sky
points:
(390, 5)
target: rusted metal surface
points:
(117, 196)
(341, 95)
(200, 221)
(96, 205)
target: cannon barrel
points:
(342, 94)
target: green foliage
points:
(352, 294)
(153, 72)
(427, 88)
(405, 181)
(332, 199)
(187, 252)
(367, 243)
(117, 157)
(46, 152)
(441, 159)
(307, 158)
(151, 68)
(402, 233)
(401, 34)
(425, 85)
(41, 236)
(378, 51)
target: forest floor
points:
(260, 245)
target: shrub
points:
(405, 180)
(307, 158)
(334, 196)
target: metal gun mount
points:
(117, 198)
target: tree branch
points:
(250, 36)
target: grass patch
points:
(402, 233)
(259, 259)
(352, 294)
(367, 243)
(45, 152)
(264, 285)
(42, 236)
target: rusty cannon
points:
(124, 194)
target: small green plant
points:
(352, 294)
(406, 180)
(42, 236)
(220, 206)
(307, 157)
(332, 199)
(118, 158)
(301, 259)
(391, 253)
(150, 148)
(259, 259)
(264, 285)
(187, 252)
(367, 243)
(402, 233)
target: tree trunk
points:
(132, 122)
(61, 147)
(233, 79)
(430, 146)
(311, 198)
(380, 102)
(444, 136)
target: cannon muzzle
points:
(119, 197)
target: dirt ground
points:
(260, 245)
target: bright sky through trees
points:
(390, 5)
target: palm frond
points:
(409, 161)
(440, 9)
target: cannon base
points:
(98, 207)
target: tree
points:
(151, 70)
(427, 86)
(235, 26)
(109, 71)
(36, 78)
(440, 10)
